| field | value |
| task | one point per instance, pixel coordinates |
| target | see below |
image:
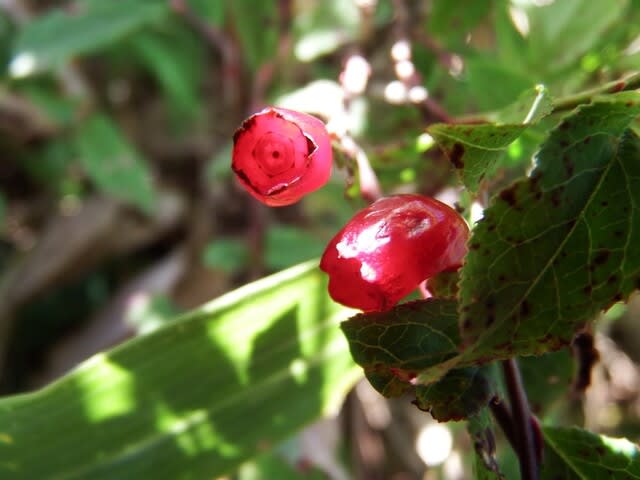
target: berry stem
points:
(524, 444)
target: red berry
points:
(280, 155)
(387, 249)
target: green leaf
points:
(547, 378)
(571, 453)
(484, 74)
(114, 164)
(56, 37)
(450, 22)
(474, 149)
(256, 23)
(556, 248)
(49, 163)
(288, 245)
(226, 254)
(395, 345)
(193, 399)
(176, 61)
(530, 107)
(419, 338)
(576, 25)
(460, 394)
(481, 428)
(211, 10)
(273, 467)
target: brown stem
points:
(218, 41)
(503, 417)
(522, 429)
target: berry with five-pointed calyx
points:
(280, 155)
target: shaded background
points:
(118, 209)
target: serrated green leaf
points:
(461, 393)
(474, 149)
(572, 453)
(395, 345)
(556, 248)
(58, 36)
(114, 164)
(193, 399)
(419, 338)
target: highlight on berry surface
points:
(280, 155)
(387, 249)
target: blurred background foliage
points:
(118, 209)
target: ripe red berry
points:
(387, 249)
(280, 155)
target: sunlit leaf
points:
(193, 399)
(555, 248)
(474, 149)
(571, 453)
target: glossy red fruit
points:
(280, 155)
(387, 249)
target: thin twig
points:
(502, 415)
(521, 420)
(631, 82)
(369, 186)
(219, 42)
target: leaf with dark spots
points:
(419, 337)
(554, 238)
(461, 393)
(455, 155)
(574, 453)
(391, 346)
(474, 149)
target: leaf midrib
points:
(535, 282)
